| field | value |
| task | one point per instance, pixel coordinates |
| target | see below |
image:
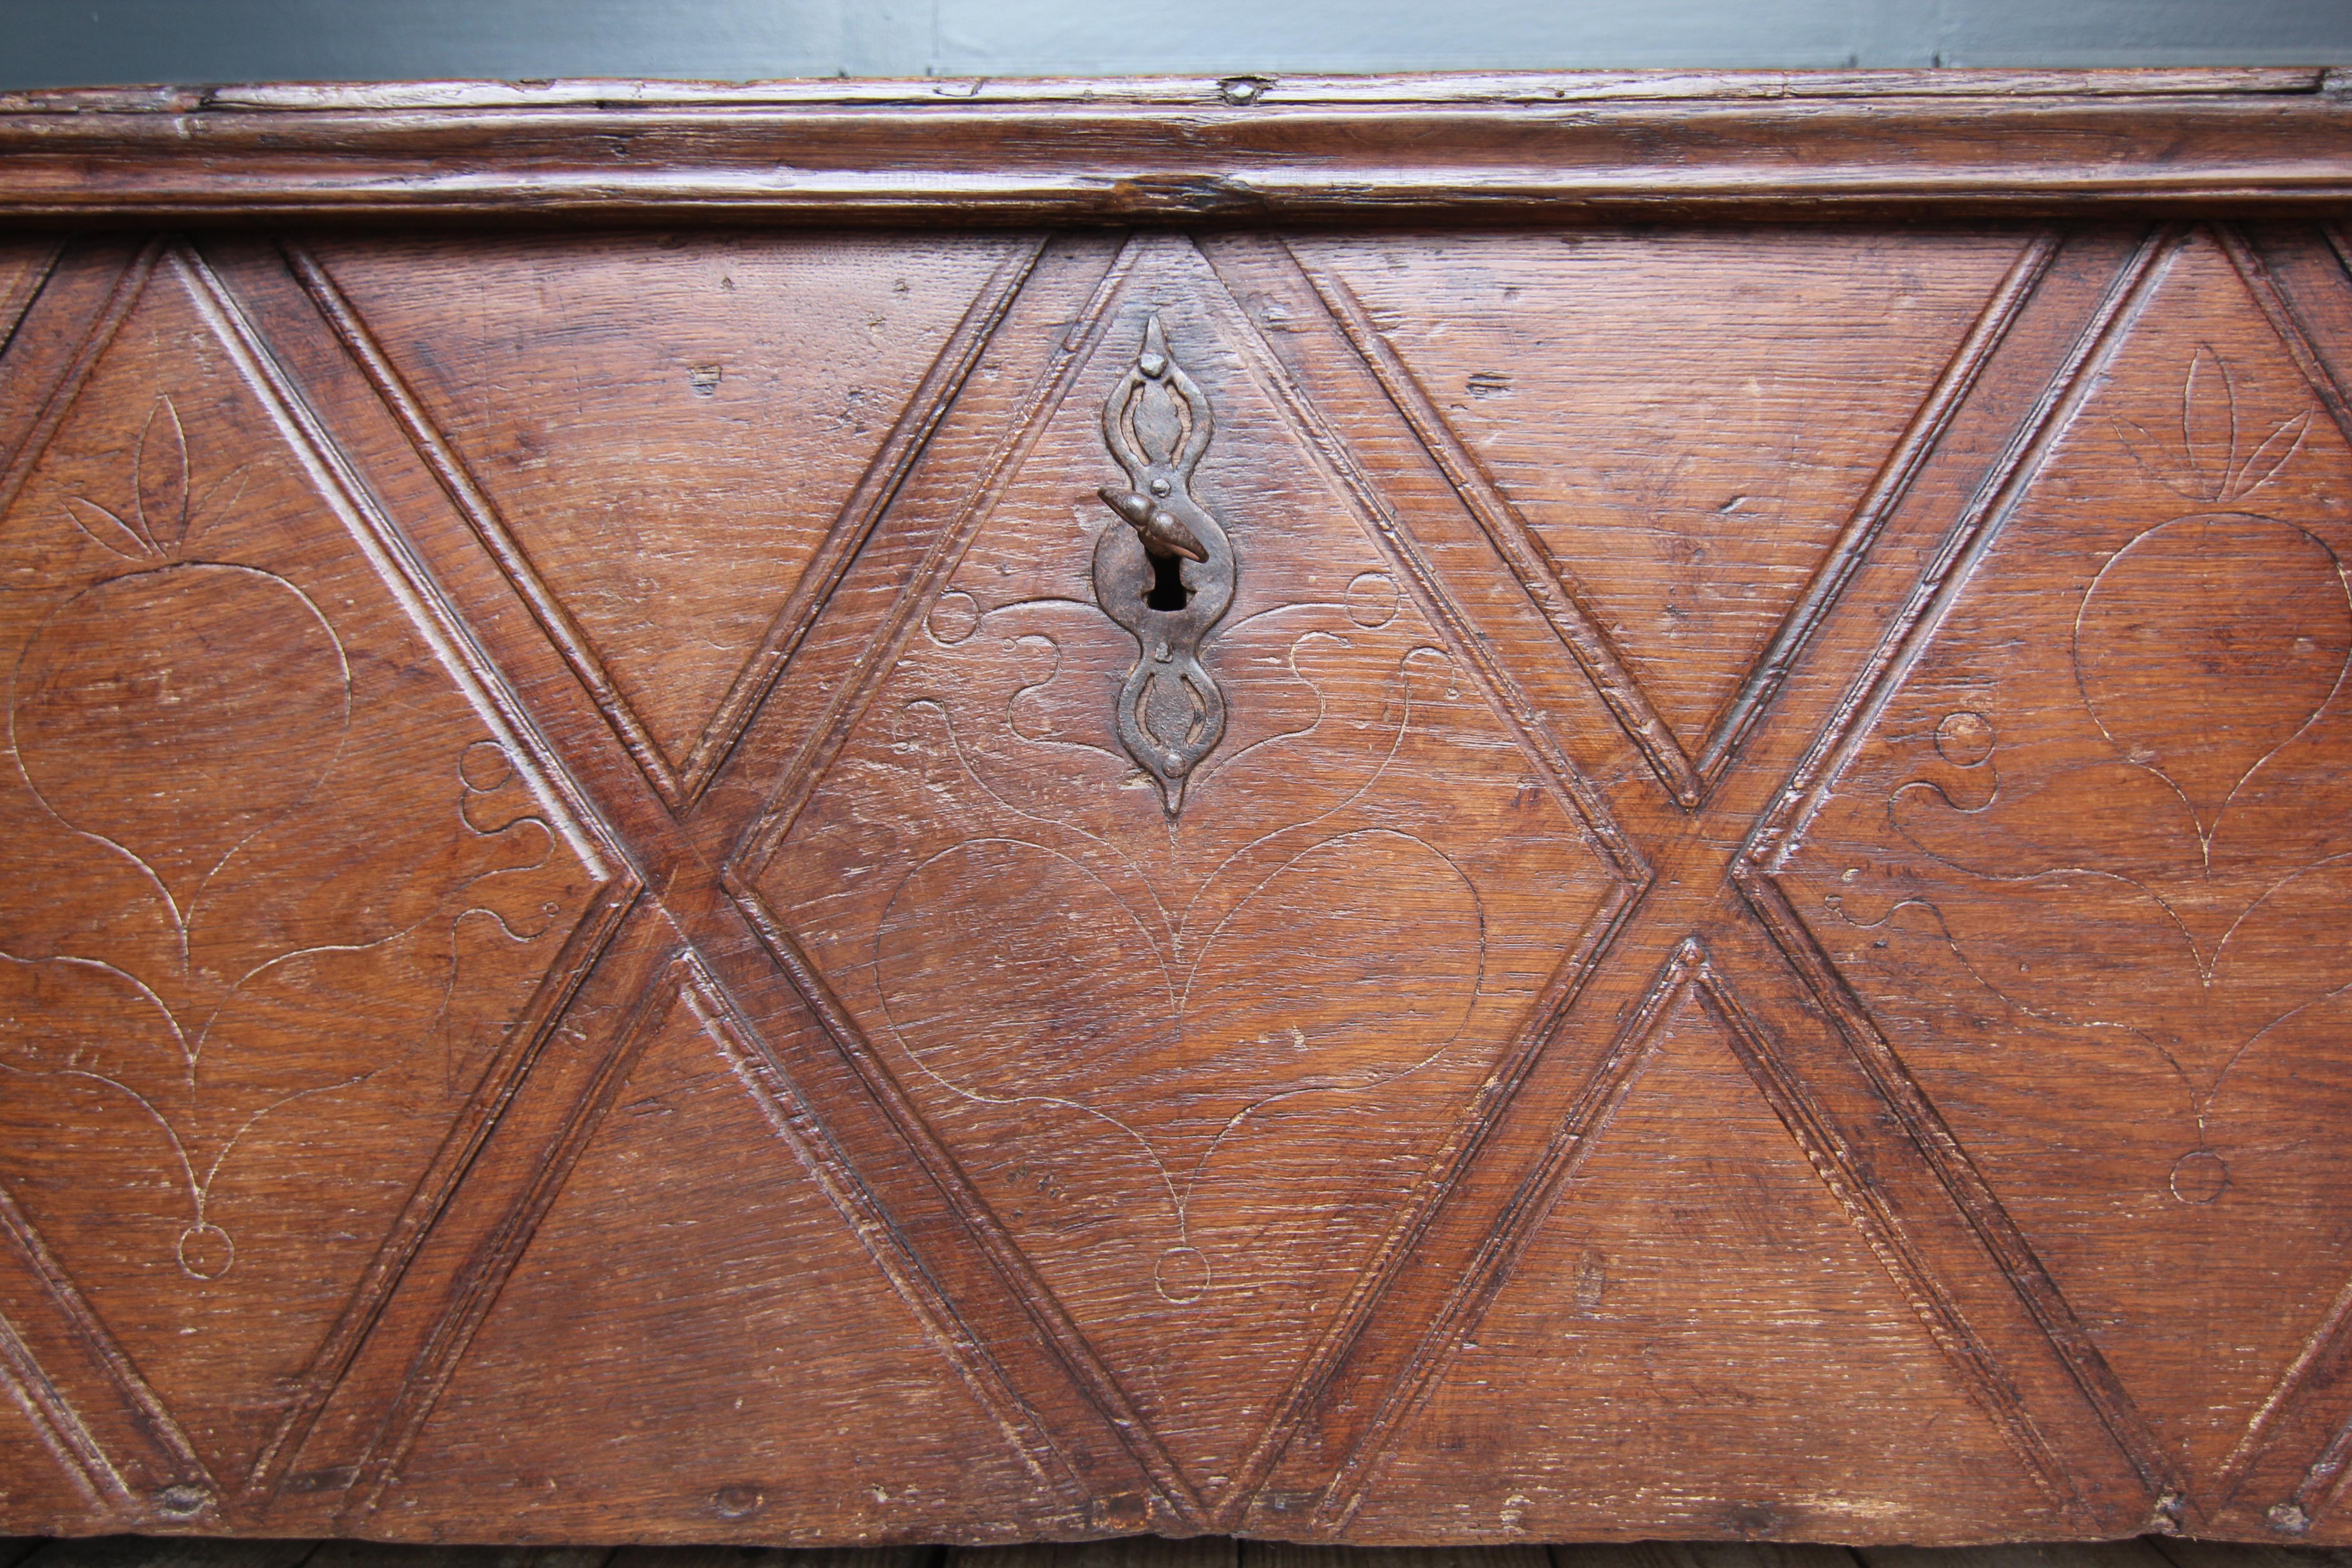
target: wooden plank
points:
(1243, 148)
(1484, 87)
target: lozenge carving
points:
(152, 665)
(2082, 863)
(284, 884)
(1202, 1067)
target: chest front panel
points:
(1431, 879)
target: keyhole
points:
(1168, 590)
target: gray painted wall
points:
(50, 43)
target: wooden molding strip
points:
(1176, 147)
(1458, 87)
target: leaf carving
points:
(159, 468)
(2209, 465)
(2209, 422)
(161, 512)
(2275, 452)
(106, 530)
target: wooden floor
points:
(136, 1551)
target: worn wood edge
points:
(1182, 148)
(1269, 88)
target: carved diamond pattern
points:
(783, 1255)
(2089, 840)
(1692, 491)
(1600, 1329)
(798, 372)
(319, 880)
(1373, 901)
(1196, 1065)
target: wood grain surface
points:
(1242, 147)
(1396, 883)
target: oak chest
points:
(1439, 810)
